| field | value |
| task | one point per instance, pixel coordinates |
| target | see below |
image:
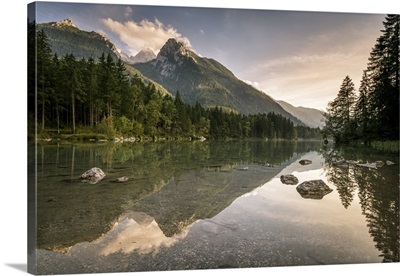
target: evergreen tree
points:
(383, 69)
(31, 67)
(339, 117)
(362, 109)
(43, 58)
(91, 88)
(73, 85)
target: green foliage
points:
(124, 126)
(388, 146)
(106, 126)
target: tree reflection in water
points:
(378, 192)
(70, 212)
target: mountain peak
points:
(144, 55)
(175, 48)
(66, 22)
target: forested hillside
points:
(98, 97)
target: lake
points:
(212, 204)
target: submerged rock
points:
(389, 163)
(122, 179)
(379, 163)
(93, 175)
(368, 165)
(305, 162)
(313, 189)
(289, 179)
(341, 163)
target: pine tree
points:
(339, 121)
(43, 55)
(383, 69)
(363, 109)
(73, 84)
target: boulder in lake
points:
(93, 175)
(305, 162)
(313, 189)
(389, 163)
(289, 179)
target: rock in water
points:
(289, 179)
(341, 163)
(314, 189)
(122, 179)
(93, 175)
(368, 165)
(389, 163)
(379, 163)
(305, 162)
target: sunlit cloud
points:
(144, 34)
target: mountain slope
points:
(309, 116)
(65, 38)
(206, 81)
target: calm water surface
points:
(193, 205)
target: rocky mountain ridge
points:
(205, 80)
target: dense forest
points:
(373, 115)
(99, 97)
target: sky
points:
(297, 56)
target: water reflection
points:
(135, 231)
(378, 192)
(210, 205)
(171, 182)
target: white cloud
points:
(143, 34)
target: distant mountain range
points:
(144, 55)
(310, 116)
(178, 68)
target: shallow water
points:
(193, 205)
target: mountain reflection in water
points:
(209, 205)
(135, 231)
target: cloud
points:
(143, 34)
